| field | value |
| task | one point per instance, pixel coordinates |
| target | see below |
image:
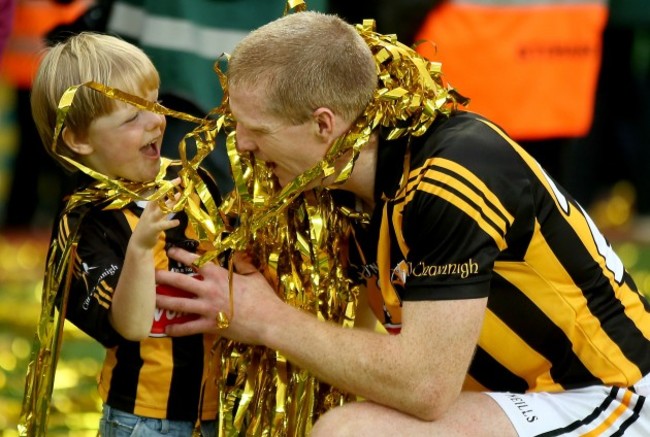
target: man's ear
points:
(76, 143)
(325, 120)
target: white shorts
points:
(591, 411)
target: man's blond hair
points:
(304, 61)
(82, 58)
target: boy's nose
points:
(154, 120)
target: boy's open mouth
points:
(151, 149)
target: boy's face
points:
(126, 143)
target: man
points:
(513, 314)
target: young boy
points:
(150, 384)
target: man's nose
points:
(245, 142)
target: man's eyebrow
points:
(261, 129)
(258, 129)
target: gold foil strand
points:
(296, 254)
(39, 381)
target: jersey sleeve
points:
(461, 206)
(103, 238)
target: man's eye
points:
(259, 131)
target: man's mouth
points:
(270, 165)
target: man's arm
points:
(419, 371)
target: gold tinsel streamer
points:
(45, 350)
(299, 238)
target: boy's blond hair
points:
(304, 61)
(82, 58)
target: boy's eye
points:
(133, 117)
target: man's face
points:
(126, 143)
(288, 149)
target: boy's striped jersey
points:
(157, 377)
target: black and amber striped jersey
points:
(470, 215)
(159, 377)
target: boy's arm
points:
(102, 238)
(134, 300)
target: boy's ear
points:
(75, 142)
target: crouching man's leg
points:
(474, 414)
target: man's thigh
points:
(474, 414)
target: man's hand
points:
(253, 298)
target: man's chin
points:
(284, 182)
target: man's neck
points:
(362, 180)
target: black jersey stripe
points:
(498, 340)
(479, 200)
(629, 282)
(465, 204)
(590, 418)
(633, 418)
(595, 285)
(187, 357)
(125, 377)
(464, 181)
(186, 382)
(565, 304)
(465, 177)
(571, 250)
(491, 374)
(546, 338)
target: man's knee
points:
(340, 422)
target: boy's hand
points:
(152, 222)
